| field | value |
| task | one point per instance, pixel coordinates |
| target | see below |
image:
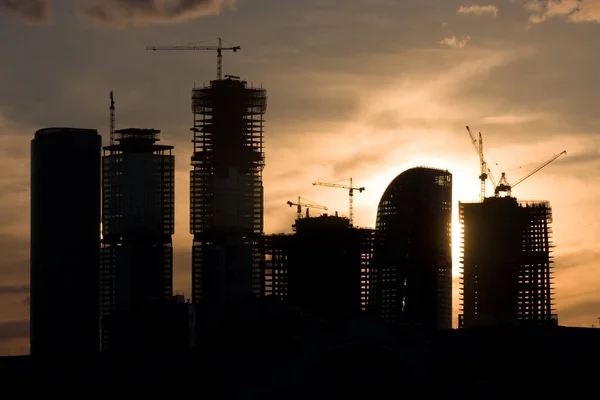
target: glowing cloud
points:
(455, 42)
(577, 11)
(479, 10)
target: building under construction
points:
(137, 223)
(226, 191)
(322, 269)
(506, 276)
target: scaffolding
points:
(506, 276)
(226, 190)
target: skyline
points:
(343, 102)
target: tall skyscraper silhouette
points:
(507, 263)
(65, 241)
(226, 191)
(137, 225)
(411, 274)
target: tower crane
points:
(351, 190)
(505, 187)
(485, 172)
(112, 119)
(219, 49)
(306, 205)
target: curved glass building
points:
(411, 274)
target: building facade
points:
(322, 269)
(226, 192)
(506, 274)
(65, 241)
(138, 222)
(411, 274)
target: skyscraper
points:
(65, 240)
(507, 263)
(226, 191)
(411, 273)
(137, 223)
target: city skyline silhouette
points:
(314, 133)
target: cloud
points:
(578, 11)
(143, 12)
(455, 42)
(479, 10)
(29, 11)
(585, 311)
(14, 289)
(512, 119)
(10, 330)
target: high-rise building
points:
(226, 191)
(506, 263)
(65, 240)
(322, 269)
(328, 267)
(411, 273)
(137, 223)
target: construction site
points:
(506, 259)
(506, 275)
(322, 269)
(226, 189)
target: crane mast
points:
(483, 171)
(219, 49)
(351, 190)
(112, 119)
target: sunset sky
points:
(361, 89)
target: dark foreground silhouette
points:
(484, 362)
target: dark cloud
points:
(15, 258)
(14, 289)
(141, 12)
(29, 11)
(10, 330)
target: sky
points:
(361, 89)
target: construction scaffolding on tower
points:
(226, 190)
(506, 276)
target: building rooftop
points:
(63, 131)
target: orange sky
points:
(356, 89)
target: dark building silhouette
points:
(137, 224)
(277, 253)
(322, 269)
(65, 240)
(411, 274)
(506, 264)
(226, 190)
(164, 326)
